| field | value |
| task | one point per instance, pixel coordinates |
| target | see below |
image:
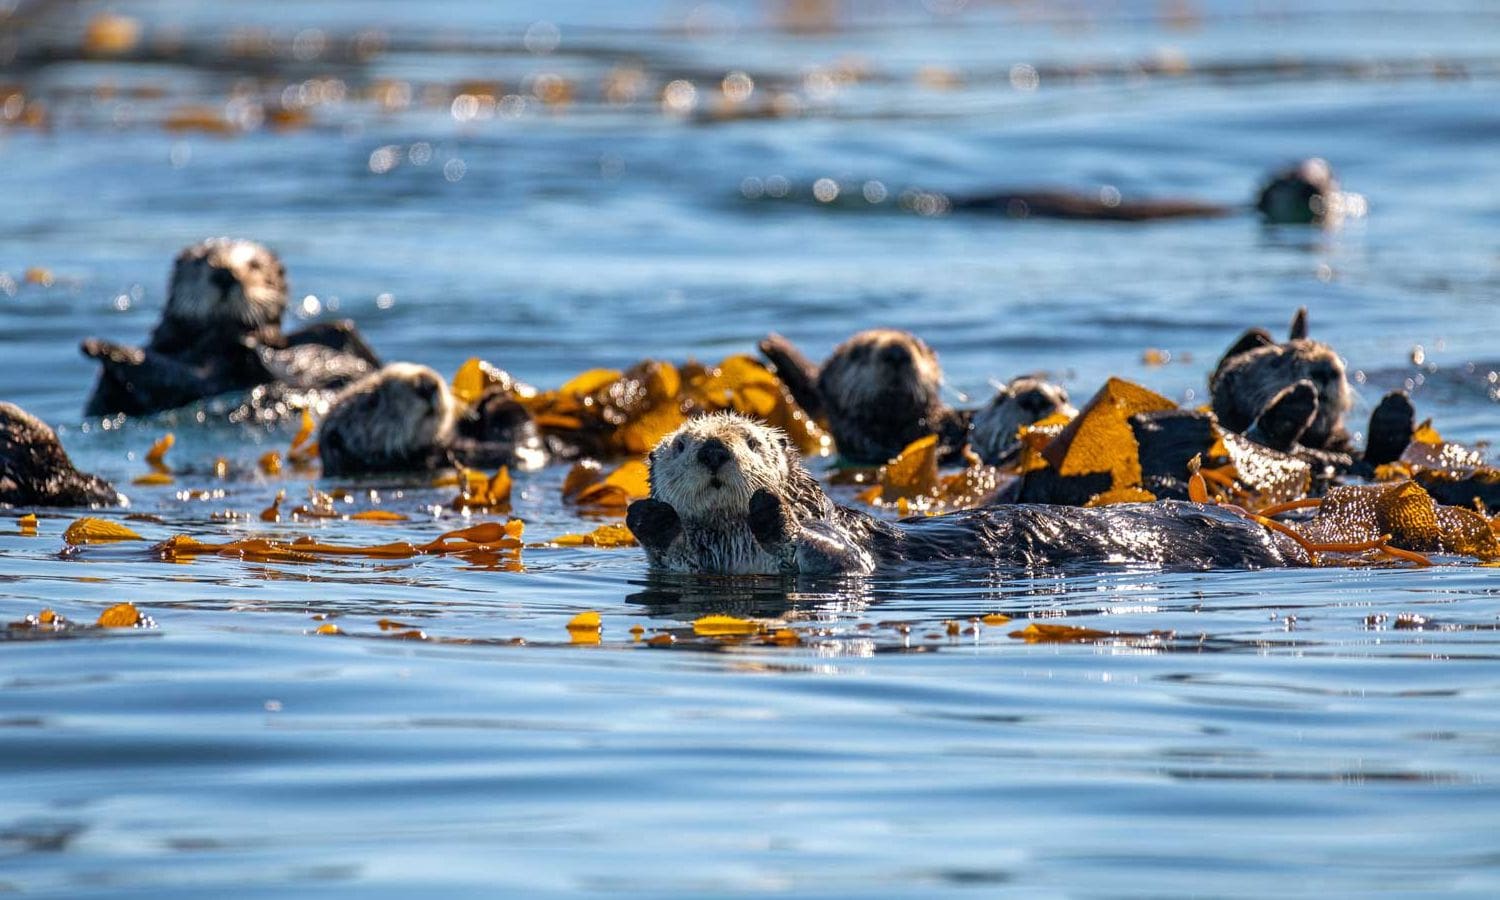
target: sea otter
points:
(36, 471)
(879, 391)
(403, 418)
(1283, 395)
(219, 332)
(1024, 401)
(730, 496)
(1305, 193)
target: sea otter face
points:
(708, 469)
(1025, 401)
(1247, 383)
(880, 390)
(396, 418)
(234, 284)
(882, 366)
(1304, 193)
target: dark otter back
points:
(1172, 534)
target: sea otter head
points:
(234, 285)
(400, 417)
(1301, 194)
(1024, 401)
(708, 468)
(882, 365)
(881, 391)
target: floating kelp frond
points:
(605, 412)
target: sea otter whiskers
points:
(730, 496)
(36, 471)
(879, 391)
(404, 418)
(220, 331)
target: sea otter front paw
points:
(654, 523)
(1392, 425)
(1284, 419)
(108, 351)
(767, 519)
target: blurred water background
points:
(564, 185)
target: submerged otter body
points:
(731, 497)
(36, 471)
(403, 418)
(220, 332)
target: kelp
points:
(912, 483)
(603, 536)
(1130, 444)
(608, 413)
(485, 537)
(476, 492)
(590, 488)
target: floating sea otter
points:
(881, 389)
(1283, 395)
(730, 496)
(36, 471)
(221, 331)
(404, 418)
(1301, 194)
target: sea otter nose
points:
(713, 454)
(895, 355)
(223, 279)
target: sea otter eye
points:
(753, 444)
(677, 446)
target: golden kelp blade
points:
(158, 450)
(719, 626)
(1121, 495)
(603, 536)
(27, 523)
(1042, 633)
(89, 530)
(585, 628)
(378, 515)
(121, 615)
(631, 481)
(1100, 438)
(152, 479)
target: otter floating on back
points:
(35, 470)
(730, 496)
(1284, 395)
(220, 332)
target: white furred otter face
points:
(1024, 401)
(227, 282)
(881, 366)
(393, 419)
(708, 469)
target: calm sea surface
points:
(1285, 738)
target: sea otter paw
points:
(1392, 425)
(108, 351)
(654, 523)
(767, 519)
(1286, 417)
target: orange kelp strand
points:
(1407, 555)
(1197, 488)
(1279, 508)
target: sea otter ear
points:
(1298, 330)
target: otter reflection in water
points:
(731, 496)
(220, 332)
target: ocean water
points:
(1299, 732)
